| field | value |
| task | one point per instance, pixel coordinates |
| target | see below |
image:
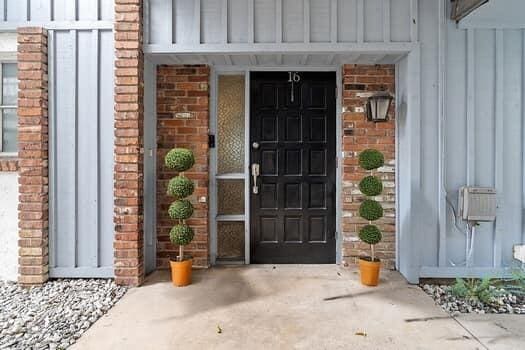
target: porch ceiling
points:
(275, 60)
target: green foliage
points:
(515, 284)
(180, 187)
(181, 235)
(370, 159)
(474, 289)
(370, 234)
(179, 159)
(370, 210)
(371, 186)
(181, 209)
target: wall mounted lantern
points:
(377, 105)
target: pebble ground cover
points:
(500, 301)
(55, 315)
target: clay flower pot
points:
(369, 271)
(181, 272)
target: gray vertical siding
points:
(42, 11)
(81, 144)
(179, 22)
(81, 61)
(482, 141)
(484, 129)
(150, 166)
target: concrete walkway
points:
(289, 307)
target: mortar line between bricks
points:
(469, 332)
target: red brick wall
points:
(183, 89)
(129, 143)
(33, 156)
(365, 134)
(8, 164)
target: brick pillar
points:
(365, 134)
(33, 156)
(129, 143)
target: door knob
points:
(255, 174)
(255, 145)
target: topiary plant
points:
(180, 187)
(370, 234)
(180, 209)
(179, 159)
(371, 186)
(370, 159)
(181, 234)
(370, 210)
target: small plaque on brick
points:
(184, 115)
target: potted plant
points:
(180, 187)
(371, 210)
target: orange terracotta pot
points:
(181, 272)
(369, 271)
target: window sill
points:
(8, 163)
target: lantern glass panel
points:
(382, 107)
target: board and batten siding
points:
(15, 13)
(81, 152)
(81, 63)
(189, 22)
(485, 114)
(472, 133)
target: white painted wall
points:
(8, 225)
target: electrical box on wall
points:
(477, 203)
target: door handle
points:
(255, 174)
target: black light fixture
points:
(377, 107)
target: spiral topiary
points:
(370, 234)
(370, 210)
(181, 234)
(180, 187)
(370, 159)
(181, 209)
(179, 159)
(371, 186)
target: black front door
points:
(293, 139)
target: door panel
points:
(293, 213)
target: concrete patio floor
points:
(291, 307)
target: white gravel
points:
(54, 315)
(504, 303)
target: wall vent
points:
(477, 203)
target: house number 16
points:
(293, 77)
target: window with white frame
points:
(8, 104)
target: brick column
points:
(365, 134)
(33, 156)
(129, 143)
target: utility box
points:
(519, 252)
(477, 203)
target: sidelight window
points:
(8, 104)
(230, 168)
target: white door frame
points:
(213, 219)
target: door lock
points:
(255, 174)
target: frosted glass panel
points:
(230, 240)
(230, 124)
(231, 197)
(9, 84)
(9, 130)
